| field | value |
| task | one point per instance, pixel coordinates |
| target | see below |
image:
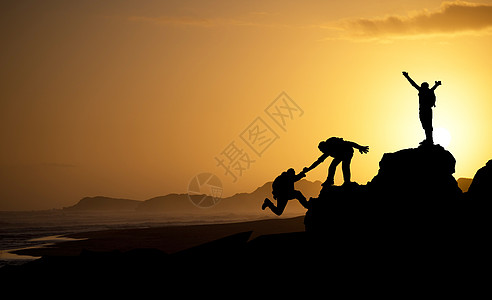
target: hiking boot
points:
(266, 203)
(426, 143)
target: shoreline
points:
(26, 230)
(169, 239)
(14, 256)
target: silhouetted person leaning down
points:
(341, 151)
(427, 100)
(283, 191)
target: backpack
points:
(331, 144)
(279, 184)
(432, 99)
(427, 99)
(334, 141)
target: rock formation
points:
(416, 174)
(414, 189)
(481, 186)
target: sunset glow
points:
(132, 100)
(442, 137)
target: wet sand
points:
(169, 239)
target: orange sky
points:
(134, 98)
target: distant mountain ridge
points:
(180, 203)
(464, 183)
(100, 203)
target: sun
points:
(442, 136)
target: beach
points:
(223, 251)
(169, 239)
(26, 236)
(247, 255)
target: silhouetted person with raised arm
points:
(427, 100)
(283, 191)
(341, 151)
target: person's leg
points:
(331, 171)
(428, 136)
(346, 169)
(429, 130)
(266, 203)
(300, 197)
(426, 121)
(279, 209)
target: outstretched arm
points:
(316, 163)
(438, 83)
(362, 149)
(299, 176)
(411, 81)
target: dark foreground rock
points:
(481, 186)
(340, 258)
(413, 206)
(416, 174)
(414, 188)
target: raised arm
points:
(316, 163)
(438, 83)
(411, 81)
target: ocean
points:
(27, 229)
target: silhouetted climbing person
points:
(283, 191)
(427, 100)
(341, 151)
